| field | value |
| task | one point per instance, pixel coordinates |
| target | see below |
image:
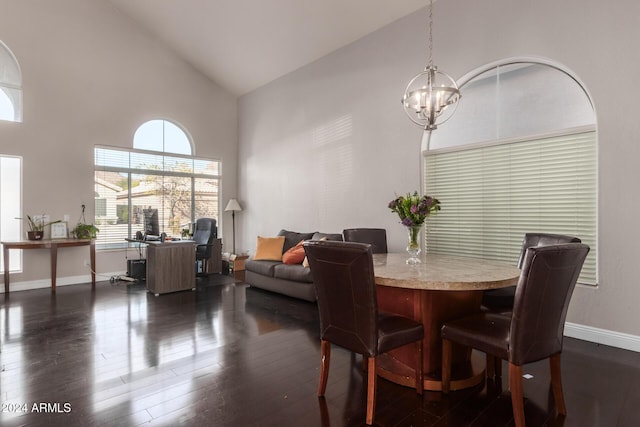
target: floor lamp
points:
(233, 206)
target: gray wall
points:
(326, 147)
(91, 76)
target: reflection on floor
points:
(230, 355)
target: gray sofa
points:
(293, 280)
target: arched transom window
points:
(158, 186)
(518, 156)
(10, 86)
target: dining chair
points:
(203, 235)
(376, 237)
(343, 277)
(501, 300)
(533, 331)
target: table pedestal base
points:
(463, 375)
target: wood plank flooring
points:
(230, 355)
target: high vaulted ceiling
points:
(244, 44)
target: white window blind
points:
(492, 195)
(127, 181)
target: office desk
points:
(440, 289)
(171, 266)
(53, 246)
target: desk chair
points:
(204, 233)
(349, 317)
(501, 300)
(533, 331)
(376, 237)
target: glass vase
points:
(413, 248)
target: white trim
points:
(60, 281)
(602, 336)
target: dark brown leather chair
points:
(204, 234)
(501, 300)
(349, 317)
(534, 331)
(376, 237)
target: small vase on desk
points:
(413, 248)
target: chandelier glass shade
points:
(431, 97)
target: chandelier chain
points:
(431, 97)
(430, 54)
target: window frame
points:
(557, 133)
(131, 171)
(11, 226)
(11, 89)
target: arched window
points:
(162, 135)
(10, 86)
(157, 186)
(518, 156)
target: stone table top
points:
(443, 272)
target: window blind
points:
(492, 195)
(127, 181)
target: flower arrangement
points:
(413, 209)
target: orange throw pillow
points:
(269, 248)
(295, 255)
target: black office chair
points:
(349, 317)
(204, 234)
(376, 237)
(533, 331)
(501, 300)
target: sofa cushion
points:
(295, 255)
(269, 248)
(291, 238)
(328, 236)
(295, 273)
(261, 267)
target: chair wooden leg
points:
(494, 367)
(491, 366)
(419, 369)
(446, 365)
(517, 397)
(372, 378)
(325, 361)
(556, 384)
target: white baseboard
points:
(60, 281)
(602, 336)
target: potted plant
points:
(36, 227)
(85, 231)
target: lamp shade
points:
(233, 205)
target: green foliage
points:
(35, 225)
(85, 231)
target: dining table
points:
(438, 289)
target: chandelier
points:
(429, 94)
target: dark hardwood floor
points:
(231, 355)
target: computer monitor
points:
(151, 224)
